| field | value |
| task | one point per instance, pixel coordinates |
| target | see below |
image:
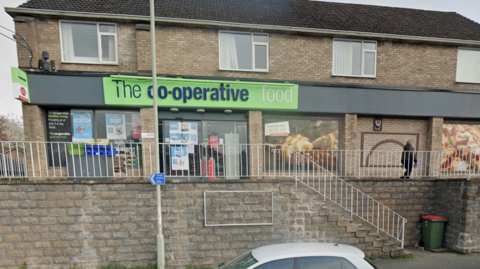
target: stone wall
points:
(62, 224)
(459, 202)
(407, 198)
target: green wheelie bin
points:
(433, 227)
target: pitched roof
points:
(293, 13)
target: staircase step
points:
(387, 248)
(352, 228)
(382, 245)
(342, 222)
(378, 243)
(333, 217)
(396, 251)
(360, 233)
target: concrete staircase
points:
(354, 231)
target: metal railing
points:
(310, 173)
(207, 161)
(319, 170)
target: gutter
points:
(91, 15)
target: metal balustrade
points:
(320, 170)
(78, 161)
(311, 173)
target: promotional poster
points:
(183, 133)
(179, 157)
(82, 126)
(136, 126)
(458, 141)
(116, 126)
(315, 139)
(59, 126)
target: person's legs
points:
(409, 169)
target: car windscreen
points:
(242, 262)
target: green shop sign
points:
(20, 85)
(175, 92)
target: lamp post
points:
(160, 240)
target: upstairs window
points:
(354, 58)
(243, 51)
(468, 65)
(89, 42)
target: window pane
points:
(369, 67)
(235, 51)
(369, 45)
(130, 127)
(106, 28)
(85, 43)
(320, 262)
(468, 66)
(281, 264)
(260, 38)
(347, 58)
(260, 57)
(108, 48)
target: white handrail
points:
(307, 170)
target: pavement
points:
(426, 259)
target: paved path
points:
(426, 259)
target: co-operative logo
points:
(23, 91)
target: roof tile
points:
(294, 13)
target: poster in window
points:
(136, 126)
(59, 126)
(213, 142)
(179, 157)
(116, 126)
(82, 126)
(277, 129)
(316, 139)
(460, 144)
(183, 133)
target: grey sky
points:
(9, 105)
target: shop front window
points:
(84, 141)
(204, 149)
(312, 139)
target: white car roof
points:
(289, 250)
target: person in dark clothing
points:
(408, 158)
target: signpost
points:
(158, 179)
(160, 239)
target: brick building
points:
(345, 78)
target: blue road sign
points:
(157, 179)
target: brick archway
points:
(387, 141)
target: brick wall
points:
(255, 136)
(34, 130)
(26, 28)
(194, 51)
(43, 34)
(63, 224)
(399, 130)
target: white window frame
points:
(362, 75)
(99, 42)
(253, 51)
(456, 67)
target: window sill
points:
(238, 70)
(346, 76)
(465, 82)
(89, 63)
